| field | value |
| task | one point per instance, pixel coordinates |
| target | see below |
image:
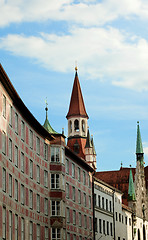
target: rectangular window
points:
(56, 234)
(45, 206)
(55, 208)
(38, 174)
(38, 232)
(89, 182)
(107, 228)
(89, 202)
(73, 170)
(22, 130)
(84, 178)
(16, 227)
(103, 202)
(16, 156)
(96, 227)
(90, 223)
(119, 217)
(45, 151)
(79, 196)
(10, 225)
(80, 220)
(85, 221)
(22, 194)
(67, 166)
(4, 142)
(46, 233)
(110, 206)
(73, 194)
(106, 204)
(22, 229)
(111, 229)
(55, 154)
(55, 181)
(45, 178)
(10, 115)
(38, 145)
(99, 201)
(84, 196)
(10, 149)
(79, 174)
(126, 220)
(4, 106)
(31, 231)
(95, 202)
(100, 225)
(22, 161)
(16, 122)
(68, 215)
(38, 202)
(63, 155)
(16, 190)
(31, 169)
(74, 217)
(130, 221)
(116, 216)
(31, 139)
(4, 180)
(10, 185)
(4, 223)
(67, 190)
(104, 227)
(31, 199)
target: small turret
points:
(139, 147)
(131, 188)
(89, 150)
(47, 125)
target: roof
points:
(18, 103)
(131, 189)
(88, 141)
(76, 107)
(139, 147)
(47, 125)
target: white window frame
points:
(46, 206)
(10, 149)
(16, 190)
(55, 208)
(55, 181)
(22, 161)
(10, 185)
(38, 203)
(4, 180)
(4, 223)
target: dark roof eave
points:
(81, 161)
(21, 106)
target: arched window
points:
(144, 234)
(76, 125)
(70, 126)
(83, 126)
(138, 234)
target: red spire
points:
(77, 107)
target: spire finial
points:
(130, 165)
(46, 108)
(76, 68)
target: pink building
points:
(45, 186)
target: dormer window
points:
(76, 125)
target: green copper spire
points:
(139, 148)
(47, 125)
(131, 189)
(88, 141)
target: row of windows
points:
(22, 130)
(104, 227)
(81, 177)
(13, 222)
(17, 185)
(71, 217)
(120, 218)
(79, 194)
(103, 203)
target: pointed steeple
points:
(92, 143)
(88, 141)
(76, 107)
(139, 147)
(47, 125)
(131, 189)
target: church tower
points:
(140, 186)
(77, 120)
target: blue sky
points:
(40, 40)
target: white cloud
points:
(88, 13)
(107, 52)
